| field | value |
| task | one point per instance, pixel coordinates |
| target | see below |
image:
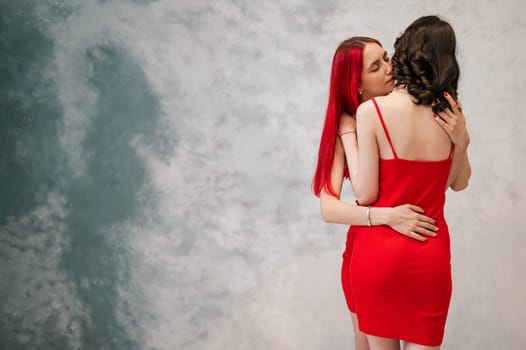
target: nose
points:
(389, 67)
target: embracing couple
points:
(396, 129)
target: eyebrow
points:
(377, 61)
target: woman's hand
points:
(347, 124)
(410, 221)
(453, 122)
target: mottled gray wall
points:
(155, 165)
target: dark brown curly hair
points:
(424, 62)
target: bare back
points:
(414, 133)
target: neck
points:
(401, 88)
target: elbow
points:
(366, 201)
(461, 182)
(366, 194)
(326, 218)
(366, 198)
(326, 215)
(325, 210)
(459, 186)
(462, 179)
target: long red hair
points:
(343, 98)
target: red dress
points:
(346, 265)
(401, 287)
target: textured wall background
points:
(155, 165)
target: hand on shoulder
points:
(453, 122)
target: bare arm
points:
(347, 134)
(460, 170)
(334, 210)
(366, 182)
(453, 122)
(349, 138)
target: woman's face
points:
(377, 78)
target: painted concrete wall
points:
(156, 159)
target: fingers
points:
(448, 116)
(416, 236)
(426, 220)
(416, 208)
(446, 121)
(421, 218)
(450, 99)
(455, 105)
(424, 227)
(441, 122)
(428, 230)
(420, 233)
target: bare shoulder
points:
(365, 110)
(387, 100)
(392, 104)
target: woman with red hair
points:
(361, 70)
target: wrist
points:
(379, 216)
(347, 132)
(462, 146)
(463, 142)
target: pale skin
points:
(451, 121)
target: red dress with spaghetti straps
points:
(402, 287)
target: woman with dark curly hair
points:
(402, 286)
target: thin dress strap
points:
(385, 128)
